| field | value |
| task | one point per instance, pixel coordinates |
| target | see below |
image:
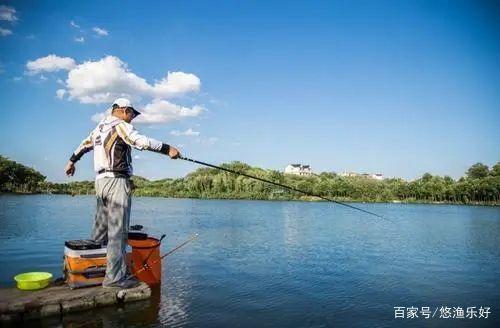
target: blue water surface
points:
(278, 264)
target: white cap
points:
(124, 102)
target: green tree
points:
(15, 177)
(495, 170)
(478, 171)
(479, 186)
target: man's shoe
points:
(125, 283)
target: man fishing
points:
(111, 141)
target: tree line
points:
(480, 185)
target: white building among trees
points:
(376, 176)
(298, 169)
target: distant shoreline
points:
(479, 186)
(303, 199)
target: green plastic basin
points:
(33, 280)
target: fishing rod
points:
(283, 186)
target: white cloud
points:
(103, 80)
(60, 93)
(206, 141)
(176, 83)
(8, 13)
(137, 157)
(50, 63)
(160, 111)
(189, 132)
(5, 32)
(73, 24)
(80, 39)
(163, 111)
(17, 78)
(100, 31)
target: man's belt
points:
(116, 174)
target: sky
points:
(393, 87)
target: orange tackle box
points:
(84, 263)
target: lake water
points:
(278, 264)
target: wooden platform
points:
(17, 305)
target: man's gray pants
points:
(111, 224)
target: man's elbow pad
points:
(164, 149)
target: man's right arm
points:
(85, 146)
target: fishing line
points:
(284, 186)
